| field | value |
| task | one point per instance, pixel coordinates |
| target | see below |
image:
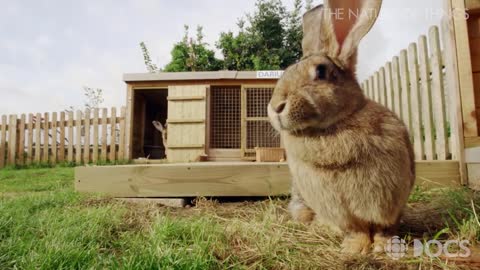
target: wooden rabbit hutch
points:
(210, 116)
(221, 118)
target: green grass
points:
(45, 224)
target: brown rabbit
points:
(351, 158)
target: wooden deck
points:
(219, 179)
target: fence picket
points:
(405, 93)
(416, 113)
(438, 95)
(376, 86)
(46, 138)
(113, 133)
(12, 140)
(397, 101)
(70, 137)
(372, 88)
(61, 139)
(21, 141)
(389, 86)
(426, 97)
(29, 157)
(104, 135)
(78, 137)
(86, 136)
(121, 145)
(38, 142)
(3, 140)
(54, 135)
(95, 136)
(382, 87)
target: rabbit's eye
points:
(321, 72)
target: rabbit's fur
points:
(351, 158)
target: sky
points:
(50, 49)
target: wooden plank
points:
(3, 141)
(474, 175)
(86, 137)
(454, 92)
(472, 4)
(30, 123)
(464, 68)
(38, 136)
(186, 98)
(46, 138)
(415, 101)
(476, 63)
(382, 87)
(71, 141)
(389, 86)
(191, 146)
(426, 98)
(397, 87)
(196, 179)
(21, 141)
(103, 155)
(376, 87)
(219, 179)
(438, 95)
(472, 142)
(61, 139)
(78, 138)
(54, 138)
(12, 140)
(405, 92)
(473, 26)
(186, 121)
(121, 145)
(95, 135)
(113, 137)
(373, 95)
(129, 123)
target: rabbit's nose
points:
(280, 107)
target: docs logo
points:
(396, 248)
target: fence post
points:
(29, 157)
(38, 142)
(3, 140)
(113, 132)
(54, 138)
(86, 136)
(21, 140)
(78, 139)
(95, 136)
(121, 145)
(12, 140)
(61, 151)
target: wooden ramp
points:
(219, 179)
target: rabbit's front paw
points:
(356, 243)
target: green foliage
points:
(269, 38)
(192, 54)
(93, 97)
(272, 39)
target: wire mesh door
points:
(256, 128)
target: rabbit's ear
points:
(318, 33)
(336, 28)
(350, 27)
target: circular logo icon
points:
(396, 248)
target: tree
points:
(272, 39)
(190, 54)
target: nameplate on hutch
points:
(269, 74)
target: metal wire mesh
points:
(260, 133)
(225, 117)
(257, 101)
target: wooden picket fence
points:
(413, 85)
(86, 137)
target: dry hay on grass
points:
(261, 235)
